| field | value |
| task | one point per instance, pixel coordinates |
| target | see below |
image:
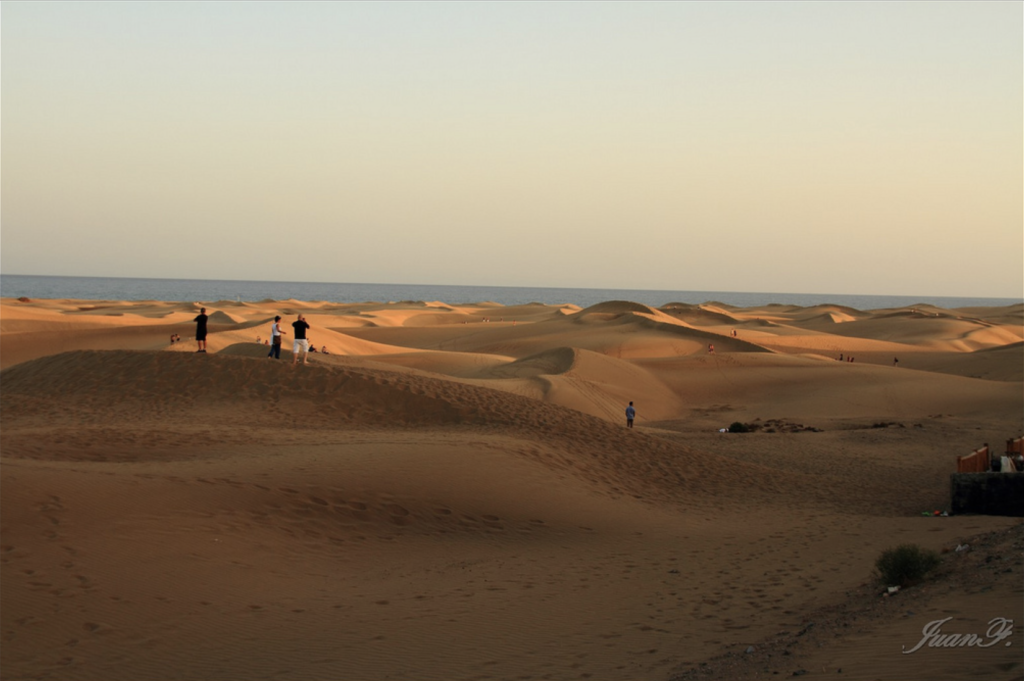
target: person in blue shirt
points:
(630, 415)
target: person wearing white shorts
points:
(300, 344)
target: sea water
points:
(200, 290)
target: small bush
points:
(906, 564)
(739, 428)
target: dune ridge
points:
(337, 397)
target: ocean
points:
(200, 290)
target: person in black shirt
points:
(300, 344)
(201, 330)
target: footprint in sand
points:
(396, 510)
(355, 509)
(398, 514)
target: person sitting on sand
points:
(323, 350)
(630, 415)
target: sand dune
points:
(221, 317)
(615, 307)
(189, 387)
(1002, 363)
(551, 362)
(452, 493)
(933, 332)
(616, 331)
(699, 315)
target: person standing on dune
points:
(275, 338)
(201, 329)
(300, 343)
(630, 415)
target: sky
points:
(827, 147)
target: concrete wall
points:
(987, 493)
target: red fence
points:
(976, 462)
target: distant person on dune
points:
(275, 338)
(630, 415)
(300, 344)
(201, 329)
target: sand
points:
(451, 493)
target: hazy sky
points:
(866, 147)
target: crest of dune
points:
(550, 362)
(221, 317)
(698, 315)
(615, 307)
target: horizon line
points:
(508, 286)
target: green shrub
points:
(739, 428)
(906, 564)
